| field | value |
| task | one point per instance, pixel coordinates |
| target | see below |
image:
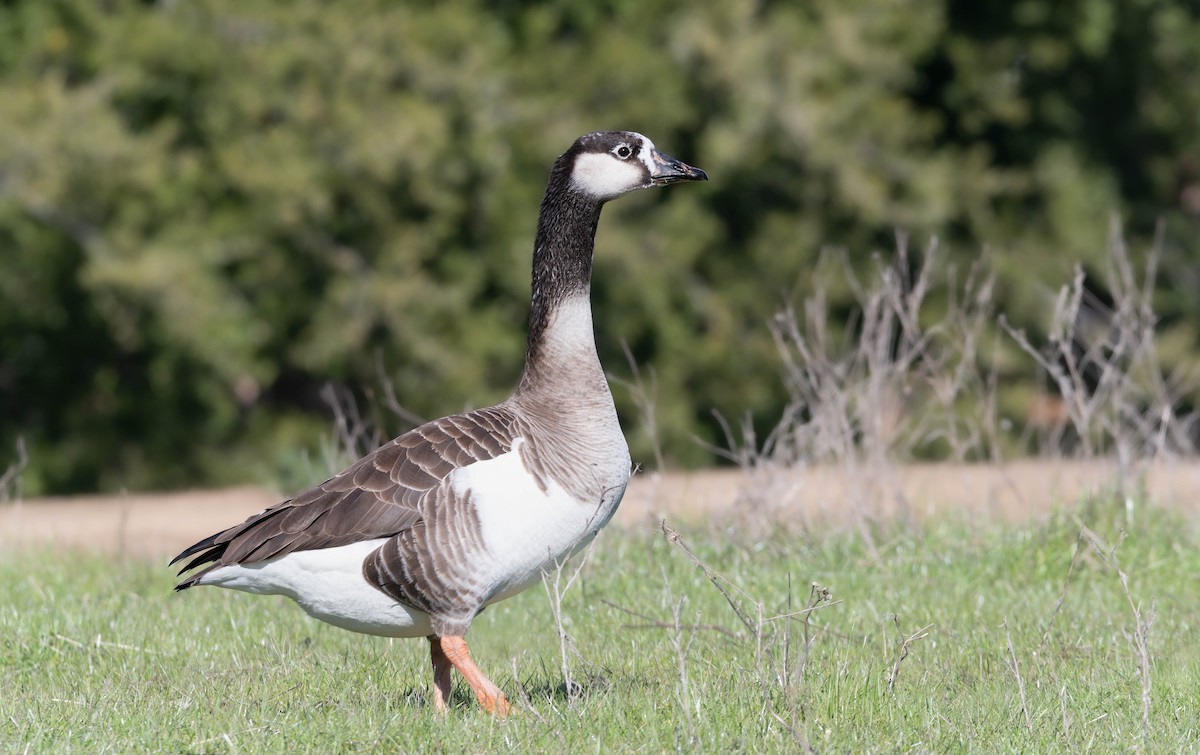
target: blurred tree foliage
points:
(208, 209)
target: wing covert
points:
(378, 496)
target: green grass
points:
(101, 656)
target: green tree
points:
(210, 209)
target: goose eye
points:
(623, 151)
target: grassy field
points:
(951, 637)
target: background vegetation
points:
(209, 210)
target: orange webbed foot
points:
(454, 649)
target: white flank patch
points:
(329, 585)
(527, 530)
(606, 176)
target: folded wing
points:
(378, 496)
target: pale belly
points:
(329, 585)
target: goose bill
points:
(668, 170)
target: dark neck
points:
(562, 263)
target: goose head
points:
(607, 164)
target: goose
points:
(420, 535)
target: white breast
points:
(526, 529)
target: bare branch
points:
(902, 653)
(717, 580)
(10, 481)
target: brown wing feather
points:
(378, 496)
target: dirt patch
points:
(159, 525)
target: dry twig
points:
(717, 580)
(10, 481)
(1140, 637)
(920, 634)
(1015, 667)
(682, 648)
(555, 590)
(644, 398)
(817, 596)
(652, 623)
(526, 701)
(1062, 598)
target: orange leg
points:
(490, 697)
(441, 675)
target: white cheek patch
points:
(604, 176)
